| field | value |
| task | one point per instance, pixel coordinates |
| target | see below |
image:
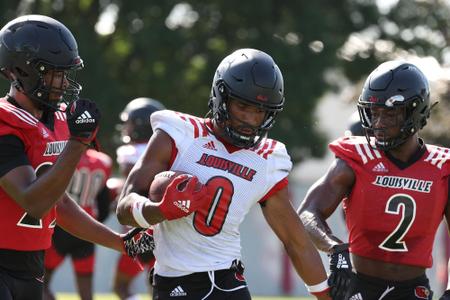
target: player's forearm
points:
(319, 231)
(51, 185)
(150, 212)
(307, 262)
(77, 222)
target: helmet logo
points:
(391, 101)
(373, 99)
(261, 98)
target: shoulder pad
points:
(354, 149)
(439, 157)
(178, 125)
(278, 159)
(16, 117)
(101, 157)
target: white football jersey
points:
(209, 239)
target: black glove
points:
(139, 242)
(83, 118)
(340, 271)
(445, 296)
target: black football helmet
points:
(135, 119)
(31, 46)
(251, 76)
(396, 85)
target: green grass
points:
(143, 297)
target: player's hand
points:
(139, 242)
(83, 119)
(182, 197)
(341, 273)
(445, 296)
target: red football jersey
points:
(89, 179)
(18, 230)
(392, 214)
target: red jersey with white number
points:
(18, 230)
(209, 239)
(393, 213)
(89, 179)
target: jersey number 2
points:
(210, 223)
(394, 242)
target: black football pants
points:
(17, 288)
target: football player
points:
(41, 143)
(197, 229)
(88, 188)
(394, 189)
(135, 132)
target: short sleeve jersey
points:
(393, 212)
(89, 179)
(18, 230)
(209, 239)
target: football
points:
(160, 183)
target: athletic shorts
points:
(130, 267)
(366, 287)
(212, 285)
(82, 266)
(18, 288)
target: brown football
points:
(160, 183)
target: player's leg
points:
(5, 292)
(17, 288)
(52, 261)
(127, 269)
(84, 268)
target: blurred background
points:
(168, 50)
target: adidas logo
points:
(342, 262)
(210, 145)
(85, 118)
(177, 292)
(356, 297)
(183, 205)
(380, 168)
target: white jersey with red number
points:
(210, 240)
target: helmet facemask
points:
(407, 121)
(218, 104)
(53, 85)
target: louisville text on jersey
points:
(396, 182)
(227, 165)
(54, 148)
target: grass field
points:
(112, 297)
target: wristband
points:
(136, 211)
(318, 288)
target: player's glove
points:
(182, 197)
(341, 273)
(445, 296)
(83, 119)
(139, 242)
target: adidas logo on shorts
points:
(356, 297)
(177, 292)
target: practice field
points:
(112, 297)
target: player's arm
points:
(322, 200)
(155, 160)
(22, 185)
(286, 224)
(73, 219)
(446, 295)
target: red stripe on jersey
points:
(174, 153)
(260, 151)
(196, 127)
(276, 188)
(270, 151)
